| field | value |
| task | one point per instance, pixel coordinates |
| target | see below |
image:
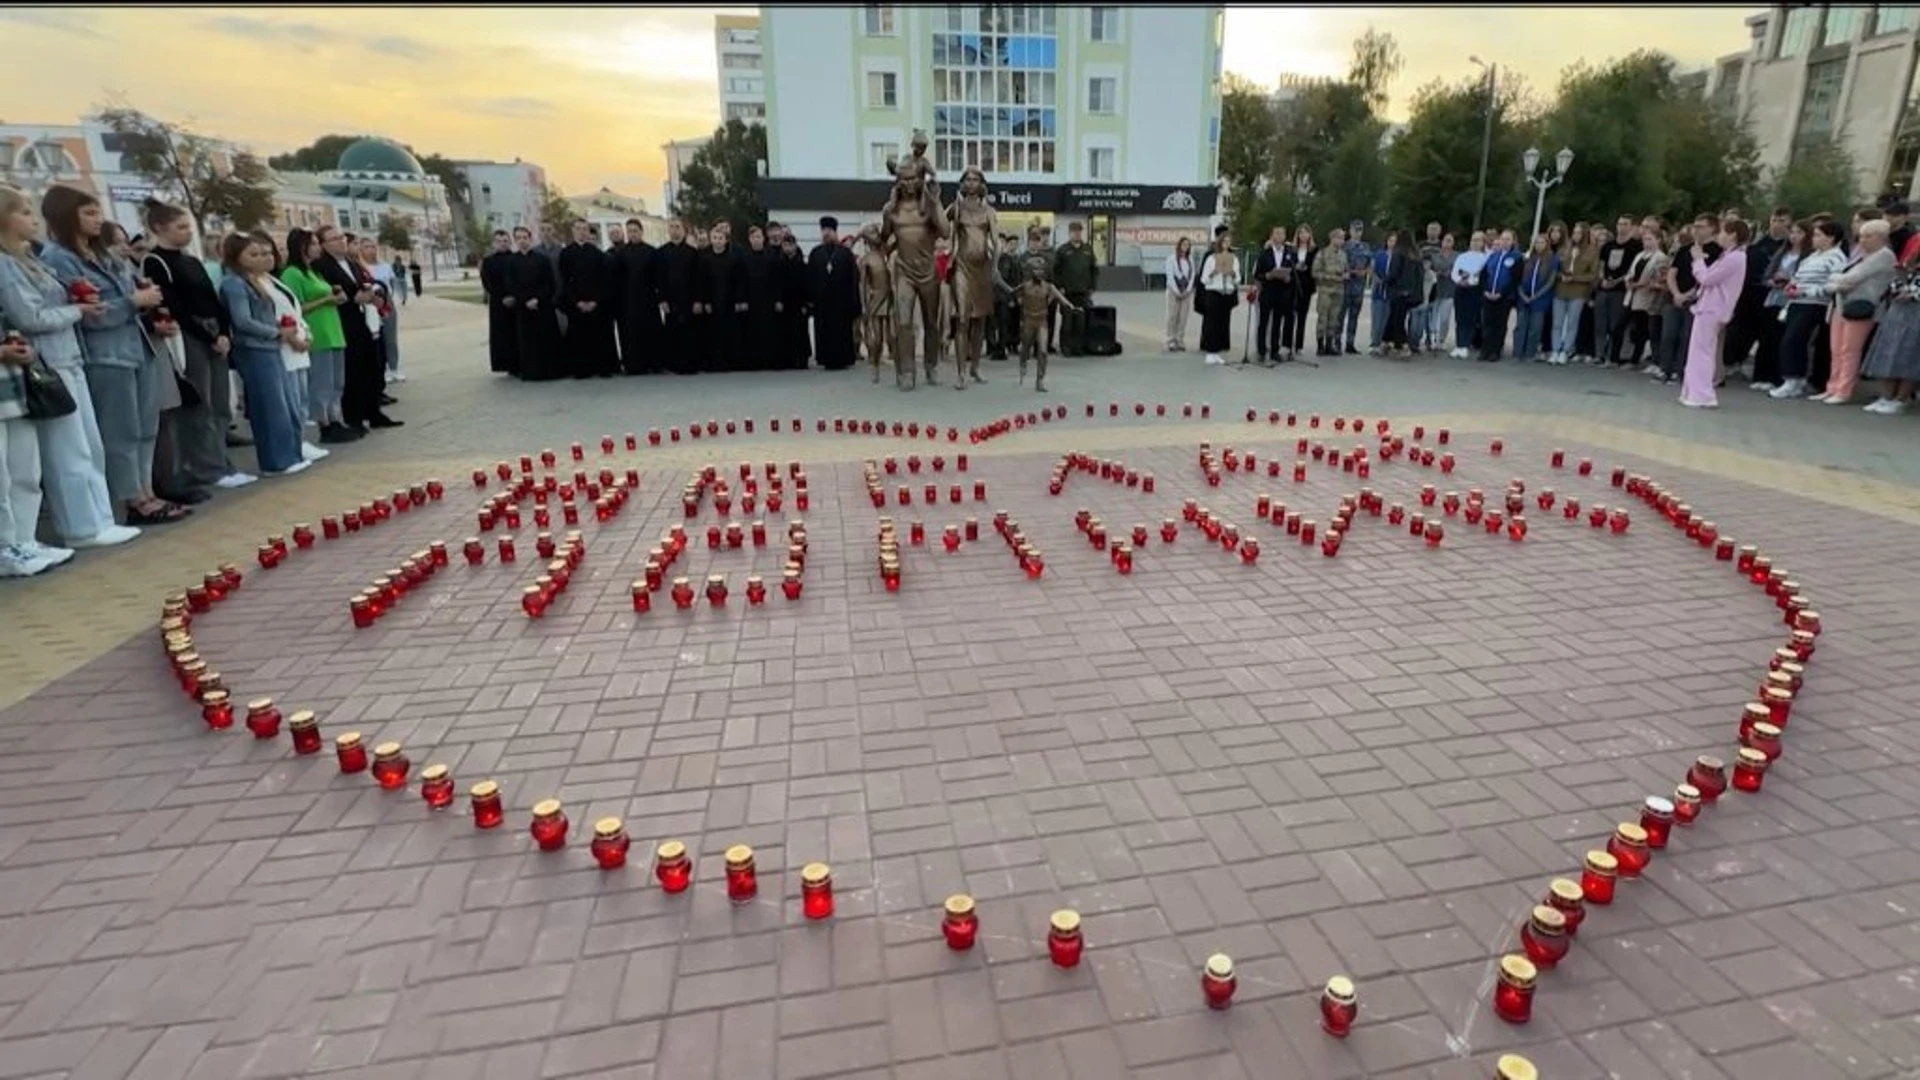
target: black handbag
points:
(44, 393)
(1857, 310)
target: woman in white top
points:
(1180, 285)
(390, 318)
(1466, 293)
(296, 356)
(1220, 294)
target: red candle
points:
(610, 843)
(1544, 936)
(682, 593)
(672, 867)
(262, 718)
(1765, 738)
(756, 590)
(305, 730)
(741, 881)
(1749, 769)
(484, 800)
(1064, 943)
(816, 891)
(1217, 982)
(1686, 804)
(1708, 776)
(960, 925)
(216, 709)
(1656, 820)
(790, 584)
(549, 827)
(1339, 1007)
(350, 752)
(390, 766)
(533, 601)
(1597, 877)
(1564, 896)
(1628, 846)
(1434, 532)
(1513, 993)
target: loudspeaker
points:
(1103, 331)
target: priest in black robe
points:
(763, 279)
(833, 279)
(639, 306)
(531, 280)
(718, 307)
(587, 301)
(503, 323)
(675, 266)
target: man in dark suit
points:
(1274, 271)
(639, 306)
(1502, 279)
(834, 286)
(366, 381)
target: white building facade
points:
(741, 59)
(504, 194)
(1106, 115)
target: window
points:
(1100, 163)
(877, 155)
(1819, 105)
(1103, 94)
(740, 61)
(743, 37)
(883, 90)
(746, 110)
(1894, 19)
(1905, 158)
(1842, 23)
(879, 20)
(994, 90)
(1103, 24)
(1796, 34)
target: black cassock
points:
(675, 268)
(503, 328)
(833, 280)
(796, 350)
(639, 315)
(717, 330)
(531, 278)
(584, 279)
(762, 277)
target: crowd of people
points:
(1796, 308)
(702, 301)
(119, 355)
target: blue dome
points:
(379, 156)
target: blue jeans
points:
(1466, 316)
(1527, 333)
(263, 378)
(1352, 314)
(1417, 326)
(1377, 310)
(1566, 324)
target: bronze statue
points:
(910, 225)
(876, 298)
(976, 230)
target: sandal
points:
(163, 513)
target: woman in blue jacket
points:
(258, 333)
(1537, 280)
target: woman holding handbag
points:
(123, 372)
(1857, 292)
(72, 457)
(19, 466)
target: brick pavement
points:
(1369, 764)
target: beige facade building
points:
(1819, 72)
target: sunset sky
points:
(592, 93)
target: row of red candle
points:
(889, 556)
(939, 464)
(386, 591)
(1113, 471)
(537, 597)
(1031, 560)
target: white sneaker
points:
(1792, 388)
(57, 555)
(17, 561)
(1835, 399)
(1756, 385)
(296, 467)
(235, 480)
(1214, 358)
(310, 452)
(395, 376)
(111, 536)
(1894, 408)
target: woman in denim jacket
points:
(247, 262)
(72, 459)
(123, 372)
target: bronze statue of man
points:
(876, 298)
(910, 225)
(976, 229)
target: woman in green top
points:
(327, 371)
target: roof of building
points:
(379, 156)
(608, 199)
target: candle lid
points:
(1658, 806)
(1220, 966)
(1602, 863)
(387, 750)
(1565, 891)
(1686, 793)
(1630, 833)
(260, 704)
(670, 851)
(1340, 988)
(1065, 921)
(1514, 1067)
(213, 697)
(546, 808)
(531, 590)
(1709, 763)
(1754, 710)
(739, 855)
(679, 581)
(959, 904)
(302, 719)
(434, 773)
(1752, 758)
(1765, 730)
(607, 827)
(716, 579)
(1549, 919)
(1776, 693)
(346, 740)
(1519, 970)
(815, 874)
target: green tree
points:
(1312, 126)
(320, 155)
(1820, 177)
(1619, 119)
(1361, 173)
(396, 232)
(1375, 63)
(211, 181)
(474, 238)
(721, 183)
(1434, 166)
(1712, 160)
(557, 214)
(1248, 128)
(1275, 206)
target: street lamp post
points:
(1486, 139)
(1530, 160)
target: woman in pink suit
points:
(1718, 289)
